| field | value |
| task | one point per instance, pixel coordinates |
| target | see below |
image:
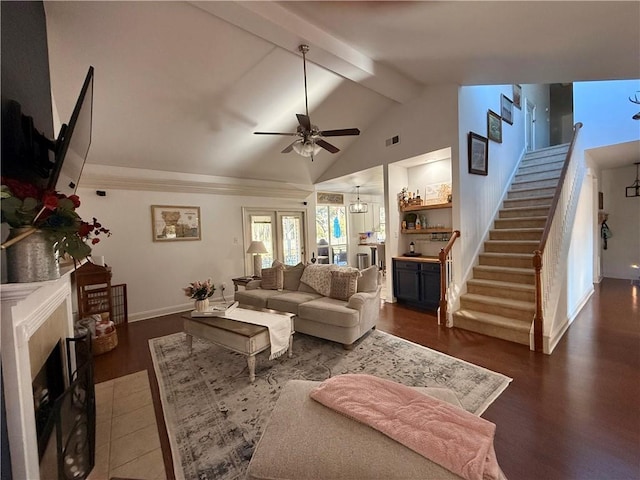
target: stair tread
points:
(516, 242)
(501, 284)
(492, 319)
(508, 255)
(524, 208)
(507, 269)
(521, 230)
(515, 219)
(503, 302)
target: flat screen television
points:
(29, 156)
(73, 142)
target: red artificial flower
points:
(20, 189)
(94, 240)
(76, 200)
(50, 201)
(85, 229)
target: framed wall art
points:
(506, 109)
(330, 198)
(494, 126)
(170, 223)
(517, 96)
(478, 154)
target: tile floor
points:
(127, 440)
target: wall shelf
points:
(416, 208)
(426, 230)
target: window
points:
(282, 233)
(331, 234)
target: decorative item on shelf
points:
(200, 292)
(358, 206)
(412, 247)
(50, 217)
(257, 248)
(410, 218)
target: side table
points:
(242, 281)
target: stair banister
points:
(540, 256)
(445, 276)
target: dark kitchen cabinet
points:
(417, 283)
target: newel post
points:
(538, 319)
(443, 286)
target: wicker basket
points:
(105, 343)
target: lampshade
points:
(358, 206)
(257, 247)
(306, 148)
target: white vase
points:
(202, 305)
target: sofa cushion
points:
(291, 274)
(368, 281)
(343, 284)
(272, 278)
(289, 302)
(256, 298)
(329, 311)
(303, 287)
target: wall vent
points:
(392, 141)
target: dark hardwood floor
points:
(574, 414)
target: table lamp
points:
(256, 249)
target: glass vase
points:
(32, 259)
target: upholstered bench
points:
(304, 440)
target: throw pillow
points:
(272, 278)
(368, 282)
(292, 274)
(318, 277)
(343, 284)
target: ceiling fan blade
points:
(289, 147)
(327, 146)
(340, 132)
(274, 133)
(304, 121)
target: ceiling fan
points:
(311, 138)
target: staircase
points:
(500, 298)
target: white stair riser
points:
(527, 202)
(540, 167)
(537, 176)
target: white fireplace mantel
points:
(25, 308)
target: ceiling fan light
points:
(306, 149)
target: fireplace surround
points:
(35, 316)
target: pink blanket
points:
(443, 433)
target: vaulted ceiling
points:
(182, 86)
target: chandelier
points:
(358, 206)
(634, 189)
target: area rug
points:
(214, 416)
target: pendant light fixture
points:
(634, 189)
(358, 206)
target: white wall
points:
(480, 196)
(156, 272)
(623, 249)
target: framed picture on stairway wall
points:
(494, 126)
(478, 154)
(517, 96)
(506, 109)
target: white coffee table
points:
(240, 337)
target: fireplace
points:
(35, 317)
(65, 417)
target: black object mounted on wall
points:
(30, 156)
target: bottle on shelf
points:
(418, 224)
(412, 247)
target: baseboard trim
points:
(551, 342)
(159, 312)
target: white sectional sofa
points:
(340, 304)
